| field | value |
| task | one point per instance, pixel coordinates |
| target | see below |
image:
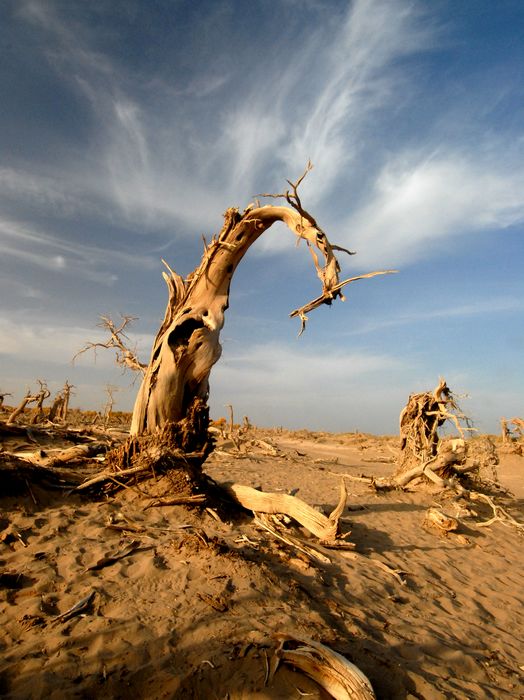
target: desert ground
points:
(189, 601)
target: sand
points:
(191, 607)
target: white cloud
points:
(432, 200)
(44, 190)
(57, 345)
(285, 384)
(353, 74)
(321, 90)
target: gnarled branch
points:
(125, 356)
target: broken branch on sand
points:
(500, 515)
(332, 671)
(79, 608)
(327, 529)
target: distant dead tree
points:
(60, 405)
(41, 396)
(421, 449)
(519, 426)
(423, 453)
(2, 398)
(19, 410)
(110, 390)
(505, 431)
(512, 431)
(118, 341)
(175, 387)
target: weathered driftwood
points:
(327, 529)
(436, 518)
(449, 461)
(80, 608)
(314, 553)
(332, 671)
(69, 454)
(500, 514)
(16, 473)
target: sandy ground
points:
(191, 608)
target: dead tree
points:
(423, 454)
(2, 398)
(518, 426)
(421, 447)
(118, 341)
(169, 432)
(42, 395)
(505, 431)
(512, 434)
(19, 410)
(60, 405)
(175, 386)
(108, 408)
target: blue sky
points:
(128, 127)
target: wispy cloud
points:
(327, 84)
(57, 345)
(353, 75)
(481, 307)
(322, 93)
(322, 90)
(420, 202)
(44, 250)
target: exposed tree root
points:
(500, 514)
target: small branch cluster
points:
(118, 341)
(60, 405)
(328, 273)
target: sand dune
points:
(182, 605)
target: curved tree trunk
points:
(175, 386)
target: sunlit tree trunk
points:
(175, 387)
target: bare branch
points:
(125, 357)
(328, 296)
(292, 198)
